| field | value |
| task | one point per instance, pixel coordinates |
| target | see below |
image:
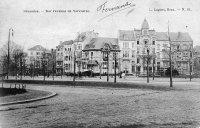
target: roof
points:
(130, 35)
(70, 42)
(145, 24)
(98, 43)
(38, 48)
(126, 35)
(174, 36)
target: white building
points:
(134, 44)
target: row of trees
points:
(12, 60)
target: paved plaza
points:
(88, 107)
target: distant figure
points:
(123, 75)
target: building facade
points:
(37, 59)
(138, 44)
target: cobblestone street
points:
(107, 107)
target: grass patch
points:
(11, 91)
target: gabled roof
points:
(37, 48)
(98, 43)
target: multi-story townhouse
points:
(67, 56)
(100, 54)
(134, 44)
(59, 59)
(80, 42)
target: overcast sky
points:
(48, 29)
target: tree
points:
(13, 60)
(146, 60)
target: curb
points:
(30, 100)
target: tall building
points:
(137, 44)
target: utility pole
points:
(8, 52)
(170, 57)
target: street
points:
(108, 107)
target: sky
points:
(49, 28)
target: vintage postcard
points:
(99, 63)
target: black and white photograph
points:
(99, 64)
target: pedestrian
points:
(123, 75)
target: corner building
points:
(136, 43)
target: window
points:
(138, 42)
(138, 60)
(66, 58)
(178, 47)
(153, 42)
(138, 50)
(143, 51)
(66, 66)
(133, 53)
(158, 47)
(125, 37)
(125, 45)
(31, 53)
(158, 55)
(37, 53)
(91, 55)
(125, 53)
(133, 45)
(154, 50)
(65, 49)
(145, 42)
(104, 65)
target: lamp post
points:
(9, 51)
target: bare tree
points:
(146, 60)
